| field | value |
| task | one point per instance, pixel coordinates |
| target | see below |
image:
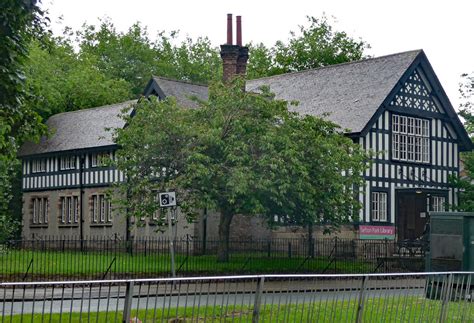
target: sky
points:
(443, 29)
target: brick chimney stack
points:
(234, 57)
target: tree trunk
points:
(224, 232)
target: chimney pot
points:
(229, 29)
(239, 30)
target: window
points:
(101, 209)
(38, 165)
(68, 162)
(438, 204)
(40, 210)
(69, 210)
(156, 216)
(99, 159)
(379, 206)
(410, 139)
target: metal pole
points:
(445, 297)
(171, 243)
(127, 306)
(258, 300)
(360, 307)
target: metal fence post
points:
(258, 300)
(360, 306)
(127, 306)
(445, 297)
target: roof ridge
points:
(179, 81)
(338, 65)
(94, 108)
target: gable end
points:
(419, 93)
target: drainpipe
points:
(81, 199)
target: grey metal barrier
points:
(413, 297)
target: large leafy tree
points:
(20, 22)
(62, 80)
(314, 45)
(465, 181)
(239, 153)
(322, 168)
(133, 56)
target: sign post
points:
(168, 200)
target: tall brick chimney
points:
(234, 57)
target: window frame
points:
(97, 159)
(386, 204)
(67, 162)
(38, 165)
(101, 210)
(437, 203)
(39, 211)
(69, 210)
(407, 131)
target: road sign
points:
(167, 199)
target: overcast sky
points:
(443, 29)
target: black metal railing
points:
(98, 258)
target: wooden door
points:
(411, 215)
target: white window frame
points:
(98, 159)
(38, 165)
(438, 203)
(379, 206)
(67, 162)
(101, 209)
(40, 214)
(69, 210)
(410, 139)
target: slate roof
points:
(78, 130)
(182, 91)
(350, 93)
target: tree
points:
(314, 46)
(465, 182)
(21, 21)
(153, 160)
(134, 57)
(324, 175)
(239, 153)
(62, 80)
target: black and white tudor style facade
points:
(393, 105)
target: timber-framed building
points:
(393, 105)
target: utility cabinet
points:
(451, 240)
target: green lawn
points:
(403, 309)
(90, 264)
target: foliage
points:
(154, 148)
(465, 181)
(20, 22)
(314, 46)
(64, 81)
(134, 57)
(239, 153)
(321, 176)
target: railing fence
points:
(98, 258)
(411, 297)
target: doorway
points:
(412, 214)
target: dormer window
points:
(68, 162)
(410, 139)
